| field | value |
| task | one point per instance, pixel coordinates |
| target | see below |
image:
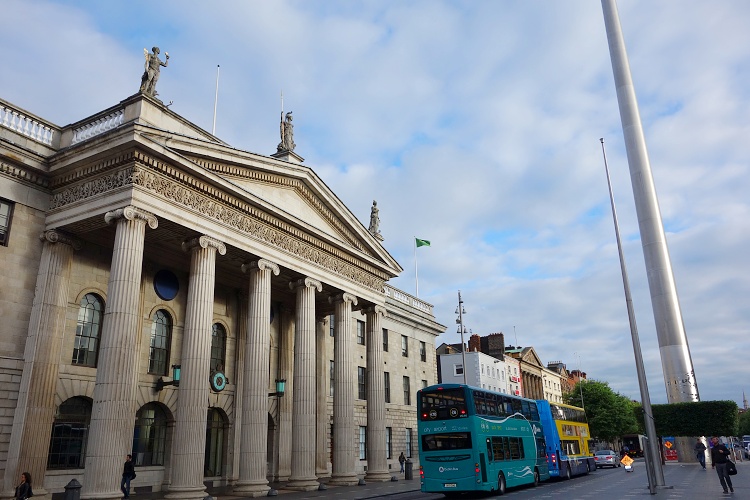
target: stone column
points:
(303, 412)
(252, 480)
(321, 409)
(343, 393)
(35, 408)
(285, 404)
(113, 412)
(377, 463)
(188, 451)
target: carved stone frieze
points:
(180, 188)
(24, 174)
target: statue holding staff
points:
(286, 130)
(151, 71)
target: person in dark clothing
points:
(402, 461)
(128, 473)
(700, 453)
(23, 490)
(719, 457)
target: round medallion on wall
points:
(218, 381)
(166, 284)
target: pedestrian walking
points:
(719, 457)
(23, 490)
(402, 461)
(700, 453)
(128, 474)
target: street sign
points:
(626, 460)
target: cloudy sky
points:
(476, 126)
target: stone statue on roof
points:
(286, 130)
(151, 71)
(374, 228)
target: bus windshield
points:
(442, 404)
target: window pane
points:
(88, 330)
(218, 347)
(161, 335)
(67, 447)
(149, 436)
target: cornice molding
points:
(25, 175)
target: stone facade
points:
(164, 247)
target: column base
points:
(252, 488)
(344, 480)
(302, 484)
(378, 476)
(110, 495)
(186, 493)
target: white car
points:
(607, 458)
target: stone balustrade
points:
(98, 126)
(407, 299)
(20, 122)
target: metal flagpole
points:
(216, 100)
(656, 473)
(416, 274)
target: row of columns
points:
(114, 399)
(533, 387)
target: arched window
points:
(218, 347)
(88, 330)
(150, 435)
(213, 464)
(161, 339)
(67, 446)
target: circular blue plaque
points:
(166, 284)
(218, 381)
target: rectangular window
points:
(408, 443)
(458, 370)
(362, 382)
(330, 377)
(385, 340)
(389, 442)
(422, 351)
(6, 215)
(424, 384)
(360, 332)
(404, 346)
(331, 325)
(387, 386)
(362, 442)
(407, 391)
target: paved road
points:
(688, 482)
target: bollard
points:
(408, 469)
(73, 490)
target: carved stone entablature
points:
(180, 188)
(24, 174)
(100, 167)
(57, 236)
(239, 172)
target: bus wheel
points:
(536, 478)
(501, 487)
(568, 474)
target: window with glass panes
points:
(360, 332)
(331, 325)
(218, 347)
(6, 215)
(150, 436)
(67, 446)
(408, 443)
(385, 340)
(388, 442)
(387, 386)
(362, 382)
(88, 330)
(330, 378)
(161, 338)
(404, 346)
(407, 391)
(362, 442)
(422, 351)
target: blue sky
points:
(475, 125)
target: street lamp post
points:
(462, 329)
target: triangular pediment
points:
(530, 356)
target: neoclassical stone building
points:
(158, 282)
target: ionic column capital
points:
(306, 283)
(57, 236)
(204, 242)
(376, 309)
(131, 213)
(343, 297)
(262, 265)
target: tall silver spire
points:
(677, 364)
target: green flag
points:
(422, 243)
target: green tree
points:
(609, 413)
(744, 424)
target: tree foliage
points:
(744, 424)
(701, 418)
(609, 413)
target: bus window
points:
(516, 405)
(525, 409)
(571, 447)
(489, 449)
(442, 404)
(534, 411)
(540, 451)
(516, 448)
(446, 441)
(500, 448)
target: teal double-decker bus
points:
(471, 439)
